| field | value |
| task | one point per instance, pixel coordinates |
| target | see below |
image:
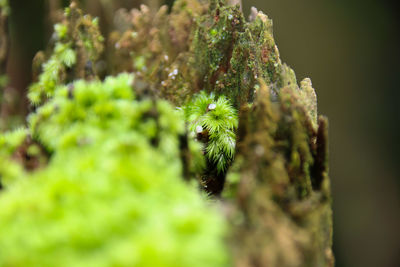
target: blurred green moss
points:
(109, 196)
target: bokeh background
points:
(351, 50)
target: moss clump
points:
(78, 44)
(214, 121)
(10, 142)
(111, 194)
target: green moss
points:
(112, 193)
(10, 170)
(213, 121)
(78, 45)
(9, 141)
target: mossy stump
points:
(273, 191)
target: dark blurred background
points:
(351, 50)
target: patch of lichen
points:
(78, 45)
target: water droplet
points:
(212, 106)
(199, 129)
(259, 150)
(173, 73)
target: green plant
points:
(113, 193)
(213, 121)
(78, 45)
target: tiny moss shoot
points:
(213, 121)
